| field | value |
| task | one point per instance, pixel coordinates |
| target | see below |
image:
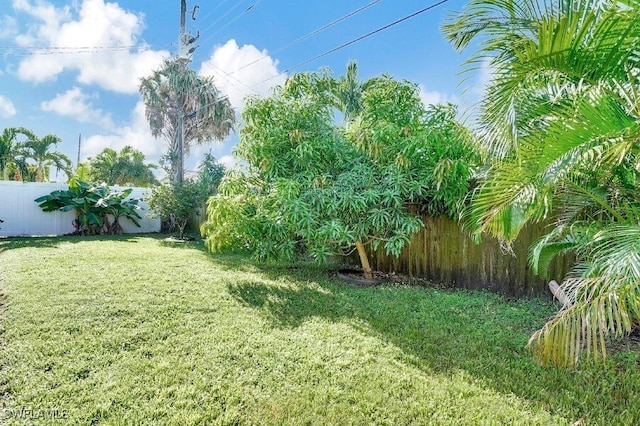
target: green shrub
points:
(93, 206)
(174, 202)
(333, 189)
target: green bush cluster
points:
(324, 188)
(93, 205)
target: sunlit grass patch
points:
(128, 330)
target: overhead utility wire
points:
(247, 10)
(308, 35)
(328, 52)
(355, 40)
(41, 52)
(64, 47)
(224, 15)
(223, 73)
(227, 76)
(296, 41)
(204, 18)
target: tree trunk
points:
(39, 173)
(181, 227)
(179, 178)
(364, 260)
(179, 159)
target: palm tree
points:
(124, 168)
(343, 93)
(562, 115)
(10, 151)
(210, 173)
(176, 95)
(39, 150)
(7, 150)
(347, 92)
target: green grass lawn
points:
(130, 330)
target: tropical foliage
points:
(126, 167)
(42, 151)
(9, 152)
(93, 206)
(18, 145)
(210, 173)
(20, 170)
(175, 202)
(176, 96)
(560, 124)
(329, 189)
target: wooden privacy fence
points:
(443, 253)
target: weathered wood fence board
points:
(443, 253)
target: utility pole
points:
(185, 50)
(179, 177)
(79, 144)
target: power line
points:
(62, 52)
(355, 40)
(224, 15)
(247, 10)
(342, 46)
(64, 47)
(59, 50)
(226, 76)
(204, 18)
(294, 42)
(311, 34)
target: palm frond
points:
(603, 306)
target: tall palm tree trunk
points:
(179, 172)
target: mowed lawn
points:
(132, 330)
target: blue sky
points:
(72, 67)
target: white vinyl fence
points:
(23, 217)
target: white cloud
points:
(229, 161)
(6, 108)
(49, 16)
(8, 27)
(136, 133)
(435, 97)
(227, 65)
(75, 104)
(485, 76)
(95, 26)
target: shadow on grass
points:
(448, 331)
(170, 241)
(13, 243)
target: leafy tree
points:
(83, 172)
(116, 206)
(40, 150)
(210, 173)
(317, 185)
(92, 205)
(347, 92)
(560, 125)
(343, 93)
(126, 167)
(13, 157)
(19, 170)
(8, 150)
(175, 202)
(22, 171)
(207, 115)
